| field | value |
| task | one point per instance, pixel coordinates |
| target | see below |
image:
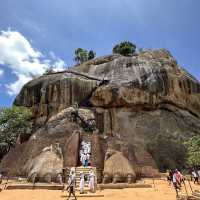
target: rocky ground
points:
(161, 191)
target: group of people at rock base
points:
(176, 178)
(72, 183)
(195, 175)
(85, 159)
(90, 178)
(85, 153)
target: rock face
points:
(144, 107)
(117, 168)
(47, 165)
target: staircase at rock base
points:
(86, 171)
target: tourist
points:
(170, 176)
(174, 180)
(85, 160)
(1, 177)
(82, 182)
(91, 181)
(71, 184)
(179, 177)
(60, 179)
(198, 173)
(88, 158)
(195, 176)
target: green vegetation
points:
(82, 55)
(14, 123)
(91, 54)
(125, 48)
(193, 151)
(168, 152)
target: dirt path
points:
(162, 191)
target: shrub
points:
(125, 48)
(82, 55)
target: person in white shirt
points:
(175, 182)
(195, 176)
(92, 181)
(198, 172)
(71, 185)
(82, 182)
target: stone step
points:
(36, 186)
(86, 171)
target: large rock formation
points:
(144, 107)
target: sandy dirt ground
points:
(161, 191)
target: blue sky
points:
(36, 34)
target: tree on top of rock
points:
(91, 54)
(82, 55)
(125, 48)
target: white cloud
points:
(25, 62)
(13, 88)
(1, 72)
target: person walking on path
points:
(179, 177)
(195, 176)
(170, 176)
(72, 185)
(175, 183)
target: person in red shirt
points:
(179, 177)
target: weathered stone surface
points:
(117, 168)
(98, 154)
(57, 131)
(71, 150)
(47, 165)
(136, 103)
(145, 81)
(49, 94)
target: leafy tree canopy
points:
(91, 54)
(125, 48)
(193, 151)
(14, 123)
(82, 55)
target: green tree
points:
(91, 54)
(125, 48)
(193, 151)
(81, 55)
(14, 123)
